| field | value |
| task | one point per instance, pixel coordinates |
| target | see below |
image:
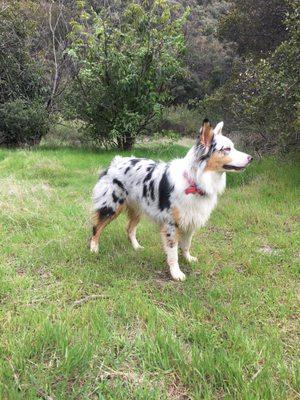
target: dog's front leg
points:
(170, 240)
(185, 244)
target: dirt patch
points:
(267, 250)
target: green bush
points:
(262, 99)
(181, 119)
(23, 83)
(125, 69)
(22, 123)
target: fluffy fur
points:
(179, 195)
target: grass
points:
(231, 331)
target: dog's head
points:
(218, 151)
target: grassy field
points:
(229, 332)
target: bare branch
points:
(54, 39)
(79, 303)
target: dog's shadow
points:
(122, 261)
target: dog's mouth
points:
(233, 168)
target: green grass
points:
(229, 332)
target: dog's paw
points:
(137, 247)
(178, 276)
(94, 248)
(191, 259)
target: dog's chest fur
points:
(195, 209)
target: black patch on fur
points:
(115, 198)
(134, 161)
(117, 182)
(103, 173)
(145, 190)
(106, 212)
(151, 189)
(150, 172)
(148, 176)
(164, 191)
(94, 230)
(126, 170)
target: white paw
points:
(190, 258)
(137, 247)
(94, 247)
(178, 275)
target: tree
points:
(255, 26)
(23, 119)
(125, 62)
(263, 97)
(207, 59)
(34, 68)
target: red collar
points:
(192, 188)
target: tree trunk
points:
(126, 141)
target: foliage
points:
(256, 27)
(207, 59)
(231, 60)
(20, 75)
(22, 84)
(22, 122)
(262, 97)
(125, 68)
(182, 119)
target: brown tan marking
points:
(134, 219)
(169, 241)
(216, 162)
(176, 215)
(100, 223)
(206, 134)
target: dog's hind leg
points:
(185, 244)
(134, 219)
(169, 235)
(101, 219)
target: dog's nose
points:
(249, 159)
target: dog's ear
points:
(218, 128)
(206, 133)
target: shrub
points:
(125, 69)
(262, 98)
(23, 89)
(181, 119)
(22, 123)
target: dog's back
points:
(137, 183)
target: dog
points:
(178, 195)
